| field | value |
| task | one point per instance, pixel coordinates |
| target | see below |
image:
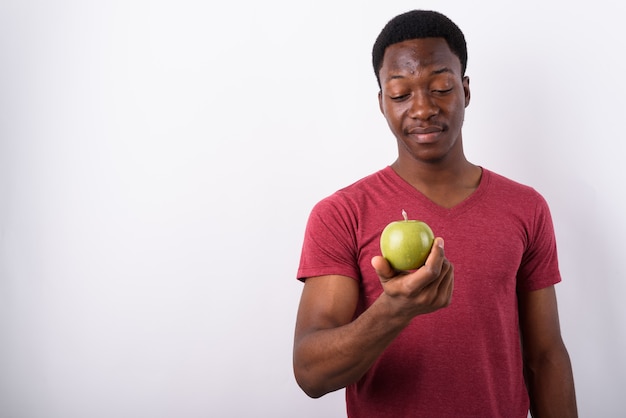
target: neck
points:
(446, 184)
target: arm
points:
(546, 362)
(331, 350)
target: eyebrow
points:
(438, 71)
(442, 70)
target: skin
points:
(423, 98)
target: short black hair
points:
(417, 24)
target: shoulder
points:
(506, 183)
(510, 190)
(368, 183)
(354, 194)
(522, 204)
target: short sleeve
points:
(329, 245)
(539, 266)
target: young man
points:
(473, 333)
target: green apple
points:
(406, 243)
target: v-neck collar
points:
(455, 210)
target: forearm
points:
(331, 350)
(551, 387)
(330, 359)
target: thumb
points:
(436, 253)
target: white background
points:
(158, 161)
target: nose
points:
(423, 107)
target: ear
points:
(466, 89)
(380, 101)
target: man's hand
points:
(420, 291)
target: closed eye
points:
(399, 97)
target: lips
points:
(425, 134)
(422, 130)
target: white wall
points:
(158, 160)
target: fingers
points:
(429, 274)
(440, 267)
(383, 268)
(446, 283)
(434, 260)
(419, 291)
(437, 293)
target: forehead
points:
(418, 54)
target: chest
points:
(485, 247)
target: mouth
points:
(425, 134)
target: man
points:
(473, 333)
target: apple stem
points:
(404, 215)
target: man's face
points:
(423, 97)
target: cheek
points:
(462, 105)
(389, 112)
(395, 111)
(456, 108)
(394, 120)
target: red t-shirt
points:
(464, 360)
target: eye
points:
(443, 91)
(399, 97)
